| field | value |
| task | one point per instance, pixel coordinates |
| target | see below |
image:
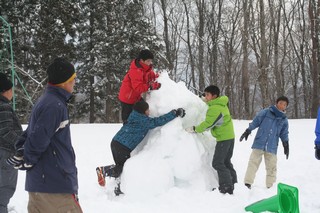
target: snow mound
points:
(169, 156)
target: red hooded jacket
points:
(135, 82)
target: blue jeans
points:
(8, 180)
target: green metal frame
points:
(6, 56)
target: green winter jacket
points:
(218, 119)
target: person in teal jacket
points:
(218, 120)
(130, 135)
(272, 124)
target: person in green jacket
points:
(218, 120)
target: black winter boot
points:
(226, 189)
(117, 190)
(248, 185)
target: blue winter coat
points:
(47, 145)
(317, 129)
(273, 124)
(137, 127)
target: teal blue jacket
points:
(137, 127)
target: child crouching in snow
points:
(130, 135)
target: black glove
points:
(245, 135)
(24, 166)
(202, 95)
(285, 145)
(180, 112)
(16, 159)
(317, 151)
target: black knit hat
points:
(145, 54)
(60, 71)
(141, 107)
(5, 83)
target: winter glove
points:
(180, 112)
(155, 85)
(24, 166)
(285, 145)
(191, 129)
(203, 97)
(317, 151)
(16, 159)
(245, 135)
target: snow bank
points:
(169, 156)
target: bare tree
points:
(314, 14)
(201, 6)
(213, 28)
(275, 23)
(245, 62)
(188, 41)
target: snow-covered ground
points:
(170, 171)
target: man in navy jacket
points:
(48, 155)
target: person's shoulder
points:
(224, 98)
(5, 107)
(134, 116)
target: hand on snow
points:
(190, 129)
(16, 159)
(285, 145)
(180, 112)
(155, 85)
(245, 135)
(203, 97)
(317, 151)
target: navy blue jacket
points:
(273, 124)
(317, 129)
(47, 145)
(137, 127)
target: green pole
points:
(11, 61)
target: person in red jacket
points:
(139, 79)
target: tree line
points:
(253, 50)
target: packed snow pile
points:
(169, 156)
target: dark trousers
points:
(222, 163)
(8, 180)
(126, 109)
(120, 155)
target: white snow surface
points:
(170, 171)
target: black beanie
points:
(145, 54)
(60, 71)
(141, 107)
(5, 83)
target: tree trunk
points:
(245, 63)
(314, 28)
(263, 77)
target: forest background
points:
(254, 50)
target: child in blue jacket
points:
(130, 135)
(272, 124)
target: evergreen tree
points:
(41, 31)
(110, 36)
